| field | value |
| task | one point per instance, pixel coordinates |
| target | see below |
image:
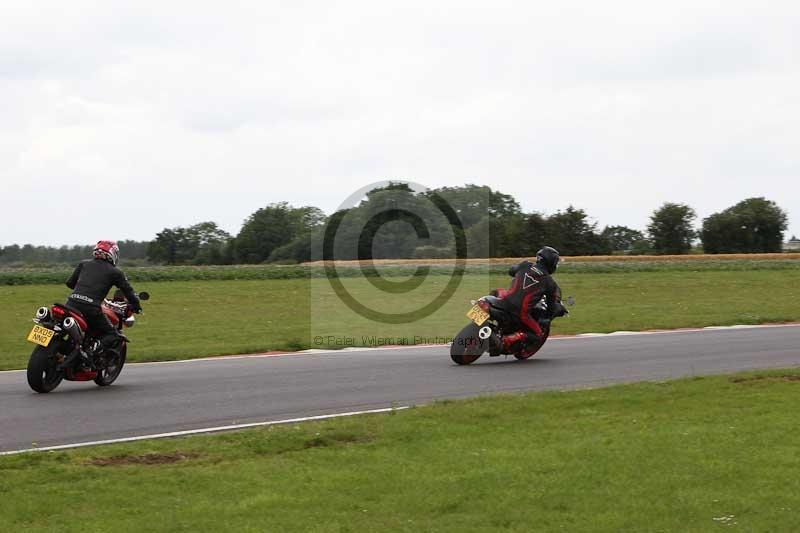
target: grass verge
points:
(700, 454)
(200, 318)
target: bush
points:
(755, 225)
(433, 252)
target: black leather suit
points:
(90, 283)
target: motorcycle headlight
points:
(130, 321)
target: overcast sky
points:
(118, 119)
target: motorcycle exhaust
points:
(484, 333)
(73, 329)
(43, 313)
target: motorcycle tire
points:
(467, 347)
(527, 354)
(43, 372)
(109, 375)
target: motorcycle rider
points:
(532, 283)
(90, 283)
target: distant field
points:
(695, 455)
(592, 259)
(187, 319)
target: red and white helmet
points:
(107, 250)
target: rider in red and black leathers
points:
(532, 282)
(90, 283)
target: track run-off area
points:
(208, 395)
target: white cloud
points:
(181, 112)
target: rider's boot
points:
(87, 359)
(90, 355)
(106, 355)
(94, 349)
(511, 342)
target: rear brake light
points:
(484, 305)
(59, 313)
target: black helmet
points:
(548, 257)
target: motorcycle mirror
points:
(570, 301)
(144, 296)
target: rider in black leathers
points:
(532, 283)
(90, 283)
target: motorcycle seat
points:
(74, 313)
(73, 310)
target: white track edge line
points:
(351, 349)
(216, 429)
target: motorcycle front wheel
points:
(467, 346)
(108, 375)
(43, 372)
(530, 352)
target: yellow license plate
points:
(478, 315)
(40, 335)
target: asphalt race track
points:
(165, 397)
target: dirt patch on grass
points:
(762, 379)
(323, 441)
(146, 459)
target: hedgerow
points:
(58, 275)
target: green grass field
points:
(696, 455)
(188, 319)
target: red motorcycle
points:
(491, 318)
(67, 349)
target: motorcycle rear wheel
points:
(107, 376)
(467, 347)
(43, 372)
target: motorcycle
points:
(490, 319)
(67, 350)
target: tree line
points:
(396, 222)
(134, 251)
(490, 224)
